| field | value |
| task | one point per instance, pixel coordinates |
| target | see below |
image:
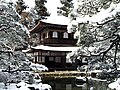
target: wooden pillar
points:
(50, 34)
(41, 55)
(63, 60)
(61, 35)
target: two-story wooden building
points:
(50, 44)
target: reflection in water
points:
(70, 84)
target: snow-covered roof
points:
(49, 48)
(61, 20)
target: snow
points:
(10, 87)
(96, 71)
(87, 29)
(24, 86)
(83, 79)
(39, 86)
(38, 67)
(26, 50)
(49, 48)
(23, 28)
(105, 13)
(99, 17)
(62, 20)
(115, 85)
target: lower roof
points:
(49, 48)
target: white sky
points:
(54, 18)
(52, 8)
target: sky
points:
(52, 8)
(54, 18)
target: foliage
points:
(41, 9)
(20, 6)
(66, 8)
(25, 16)
(96, 26)
(13, 37)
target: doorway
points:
(50, 62)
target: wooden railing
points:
(60, 41)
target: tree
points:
(41, 9)
(20, 6)
(26, 17)
(13, 37)
(66, 8)
(96, 26)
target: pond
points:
(70, 84)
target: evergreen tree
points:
(20, 6)
(26, 18)
(13, 37)
(41, 9)
(96, 26)
(66, 8)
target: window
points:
(58, 59)
(51, 58)
(55, 35)
(65, 35)
(41, 59)
(35, 60)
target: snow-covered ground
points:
(27, 80)
(115, 85)
(10, 87)
(24, 86)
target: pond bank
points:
(67, 74)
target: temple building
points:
(50, 43)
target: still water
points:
(70, 84)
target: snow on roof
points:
(49, 48)
(26, 50)
(62, 20)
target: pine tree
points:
(41, 9)
(13, 37)
(20, 6)
(66, 8)
(96, 26)
(25, 16)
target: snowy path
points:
(24, 86)
(9, 87)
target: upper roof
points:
(42, 25)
